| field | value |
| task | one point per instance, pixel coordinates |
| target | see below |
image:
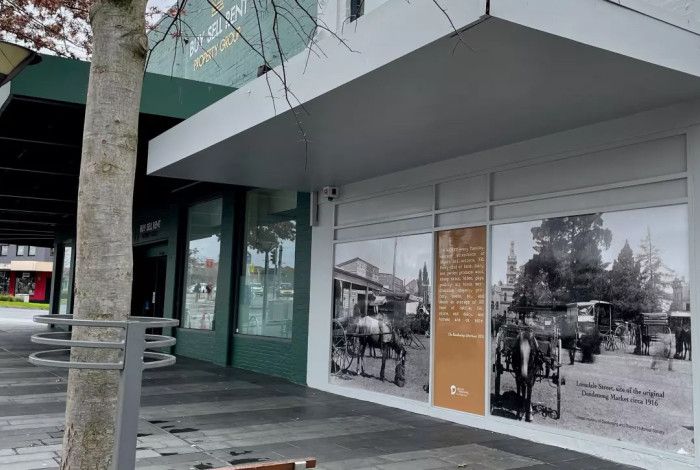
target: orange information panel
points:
(459, 323)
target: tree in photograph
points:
(625, 284)
(424, 284)
(655, 277)
(567, 265)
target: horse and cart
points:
(531, 352)
(529, 345)
(384, 326)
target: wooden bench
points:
(291, 464)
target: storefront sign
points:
(459, 321)
(219, 41)
(149, 229)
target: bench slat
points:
(273, 465)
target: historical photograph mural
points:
(591, 320)
(381, 315)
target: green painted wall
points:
(209, 49)
(280, 357)
(59, 79)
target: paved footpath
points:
(198, 416)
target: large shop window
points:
(65, 293)
(606, 295)
(266, 303)
(381, 315)
(202, 269)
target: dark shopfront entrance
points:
(148, 292)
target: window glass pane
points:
(65, 280)
(267, 287)
(32, 251)
(3, 250)
(202, 269)
(381, 315)
(607, 296)
(21, 250)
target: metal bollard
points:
(134, 344)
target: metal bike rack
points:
(134, 343)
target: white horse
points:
(377, 333)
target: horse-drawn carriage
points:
(355, 336)
(652, 328)
(531, 352)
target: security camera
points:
(330, 192)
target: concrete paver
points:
(196, 415)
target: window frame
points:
(356, 9)
(240, 271)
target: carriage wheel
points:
(340, 356)
(559, 379)
(558, 392)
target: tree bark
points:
(103, 269)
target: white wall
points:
(648, 159)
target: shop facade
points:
(231, 264)
(592, 232)
(503, 213)
(25, 272)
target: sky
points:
(411, 253)
(668, 226)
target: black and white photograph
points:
(381, 317)
(590, 320)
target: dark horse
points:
(686, 347)
(527, 361)
(378, 334)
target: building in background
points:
(502, 293)
(26, 271)
(391, 282)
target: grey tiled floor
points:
(197, 416)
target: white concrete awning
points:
(417, 93)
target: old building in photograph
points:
(502, 292)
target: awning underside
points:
(494, 84)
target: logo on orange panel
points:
(456, 391)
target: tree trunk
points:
(103, 269)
